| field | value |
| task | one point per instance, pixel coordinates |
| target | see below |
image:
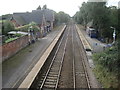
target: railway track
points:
(51, 77)
(67, 68)
(81, 79)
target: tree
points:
(7, 26)
(45, 7)
(34, 26)
(102, 16)
(61, 17)
(39, 8)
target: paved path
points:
(15, 69)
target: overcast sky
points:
(68, 6)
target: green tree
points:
(34, 26)
(61, 17)
(7, 26)
(39, 8)
(45, 7)
(102, 16)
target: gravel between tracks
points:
(66, 78)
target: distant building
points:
(6, 17)
(42, 17)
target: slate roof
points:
(37, 16)
(25, 16)
(48, 15)
(19, 19)
(34, 16)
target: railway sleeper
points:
(41, 79)
(48, 86)
(53, 75)
(80, 74)
(50, 77)
(57, 61)
(50, 83)
(55, 69)
(53, 72)
(51, 80)
(57, 64)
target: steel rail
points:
(51, 64)
(62, 61)
(73, 51)
(83, 63)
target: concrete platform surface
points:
(16, 68)
(35, 70)
(95, 44)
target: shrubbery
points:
(108, 67)
(7, 26)
(108, 59)
(26, 27)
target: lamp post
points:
(114, 34)
(30, 33)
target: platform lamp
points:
(114, 34)
(30, 33)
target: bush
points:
(108, 58)
(7, 26)
(107, 67)
(25, 28)
(10, 39)
(18, 35)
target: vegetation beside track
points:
(107, 67)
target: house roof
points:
(25, 16)
(34, 16)
(48, 15)
(19, 19)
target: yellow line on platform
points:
(83, 39)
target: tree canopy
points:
(103, 17)
(61, 17)
(7, 26)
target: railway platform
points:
(16, 68)
(90, 45)
(95, 44)
(64, 63)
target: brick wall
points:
(9, 49)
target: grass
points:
(107, 79)
(10, 39)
